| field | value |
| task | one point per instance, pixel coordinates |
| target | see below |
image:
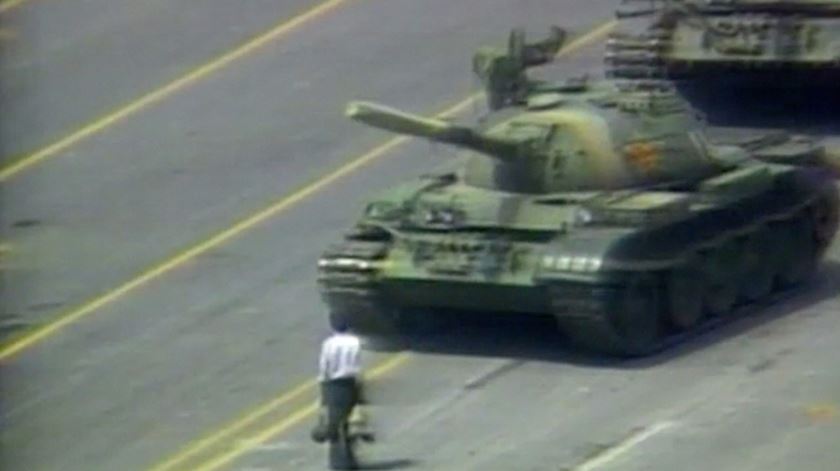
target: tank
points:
(735, 52)
(601, 205)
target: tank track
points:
(349, 292)
(586, 321)
(367, 314)
(361, 311)
(593, 318)
(637, 56)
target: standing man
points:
(339, 374)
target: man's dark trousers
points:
(340, 396)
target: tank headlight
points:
(441, 216)
(382, 210)
(432, 216)
(582, 216)
(374, 210)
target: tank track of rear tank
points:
(639, 56)
(649, 310)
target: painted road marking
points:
(7, 34)
(821, 412)
(5, 252)
(258, 439)
(235, 426)
(35, 336)
(172, 87)
(243, 446)
(613, 452)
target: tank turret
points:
(616, 138)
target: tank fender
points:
(594, 255)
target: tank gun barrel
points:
(400, 122)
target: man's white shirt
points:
(340, 357)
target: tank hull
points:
(613, 289)
(776, 57)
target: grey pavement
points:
(192, 350)
(758, 394)
(144, 376)
(71, 62)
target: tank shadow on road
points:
(810, 110)
(536, 338)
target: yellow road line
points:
(290, 421)
(250, 417)
(237, 425)
(33, 337)
(10, 5)
(161, 93)
(610, 454)
(822, 412)
(41, 333)
(243, 446)
(7, 34)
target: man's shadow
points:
(520, 337)
(388, 464)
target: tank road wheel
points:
(797, 252)
(685, 290)
(824, 216)
(636, 317)
(721, 267)
(756, 279)
(628, 323)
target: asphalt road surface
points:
(204, 356)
